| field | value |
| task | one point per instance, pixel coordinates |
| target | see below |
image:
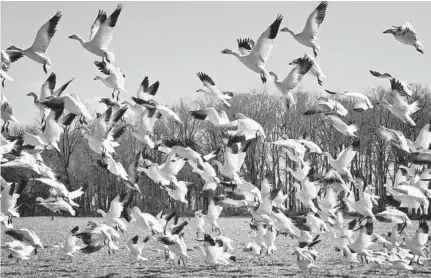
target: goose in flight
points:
(113, 216)
(213, 91)
(292, 80)
(47, 91)
(255, 55)
(147, 92)
(396, 85)
(69, 248)
(308, 36)
(344, 158)
(26, 236)
(146, 221)
(101, 34)
(37, 52)
(147, 121)
(135, 249)
(423, 141)
(393, 136)
(6, 114)
(211, 115)
(362, 102)
(416, 243)
(327, 106)
(8, 57)
(72, 103)
(244, 127)
(164, 110)
(401, 109)
(315, 69)
(176, 245)
(342, 127)
(58, 189)
(9, 199)
(406, 34)
(115, 79)
(96, 236)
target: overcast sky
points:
(172, 41)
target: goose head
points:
(33, 95)
(201, 91)
(76, 37)
(389, 31)
(273, 74)
(227, 51)
(97, 78)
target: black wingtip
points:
(275, 26)
(356, 144)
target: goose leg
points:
(319, 81)
(2, 83)
(314, 52)
(44, 68)
(262, 77)
(118, 94)
(411, 262)
(113, 94)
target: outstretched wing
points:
(100, 19)
(314, 20)
(45, 34)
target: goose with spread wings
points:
(147, 121)
(362, 102)
(7, 58)
(37, 52)
(344, 158)
(46, 91)
(115, 79)
(315, 69)
(255, 55)
(406, 34)
(292, 80)
(6, 114)
(308, 36)
(101, 34)
(395, 137)
(212, 89)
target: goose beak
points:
(95, 78)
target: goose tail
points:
(110, 56)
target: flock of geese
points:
(325, 197)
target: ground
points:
(48, 263)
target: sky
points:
(172, 41)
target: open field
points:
(48, 264)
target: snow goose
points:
(18, 251)
(255, 55)
(56, 204)
(305, 257)
(147, 92)
(417, 242)
(401, 113)
(363, 240)
(315, 69)
(406, 35)
(292, 80)
(113, 216)
(177, 190)
(58, 189)
(211, 115)
(393, 215)
(327, 106)
(26, 161)
(96, 236)
(7, 114)
(9, 198)
(115, 79)
(310, 145)
(344, 158)
(423, 141)
(146, 221)
(183, 150)
(307, 191)
(197, 223)
(37, 52)
(133, 174)
(405, 195)
(362, 102)
(69, 248)
(213, 213)
(164, 110)
(101, 34)
(114, 167)
(295, 150)
(396, 84)
(244, 126)
(394, 137)
(308, 36)
(176, 245)
(72, 103)
(363, 206)
(310, 222)
(206, 170)
(147, 121)
(8, 57)
(26, 236)
(135, 249)
(213, 91)
(342, 127)
(301, 171)
(282, 222)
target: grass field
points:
(47, 263)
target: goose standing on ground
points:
(417, 242)
(213, 91)
(315, 69)
(115, 79)
(37, 52)
(254, 56)
(308, 36)
(211, 115)
(362, 102)
(8, 57)
(293, 79)
(18, 250)
(406, 35)
(101, 34)
(6, 114)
